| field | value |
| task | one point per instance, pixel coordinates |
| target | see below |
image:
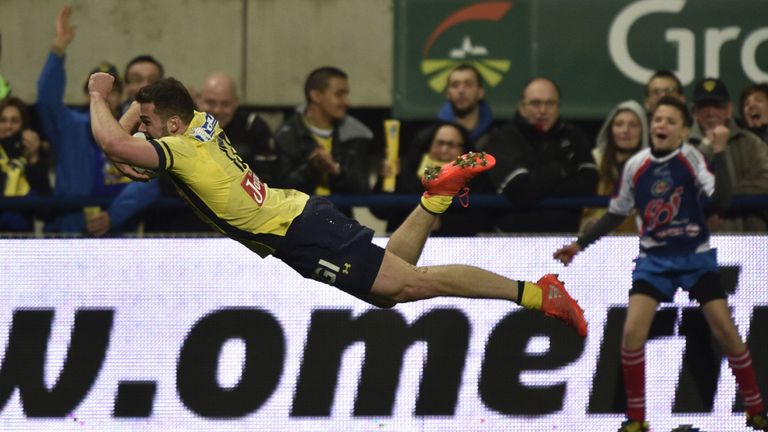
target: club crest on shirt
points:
(660, 187)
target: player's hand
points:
(718, 136)
(65, 32)
(98, 225)
(131, 173)
(566, 253)
(100, 84)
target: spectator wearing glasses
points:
(662, 83)
(538, 156)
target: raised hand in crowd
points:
(65, 32)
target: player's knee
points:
(727, 335)
(413, 291)
(634, 336)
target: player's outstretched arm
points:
(566, 253)
(603, 226)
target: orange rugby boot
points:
(451, 179)
(557, 303)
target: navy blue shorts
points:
(326, 245)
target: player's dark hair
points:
(144, 58)
(170, 98)
(663, 73)
(466, 67)
(320, 78)
(679, 105)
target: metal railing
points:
(371, 200)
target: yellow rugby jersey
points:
(225, 193)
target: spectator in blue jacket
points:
(466, 105)
(81, 168)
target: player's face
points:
(10, 121)
(668, 128)
(220, 102)
(626, 131)
(540, 105)
(463, 91)
(447, 145)
(710, 115)
(151, 124)
(756, 109)
(139, 75)
(334, 100)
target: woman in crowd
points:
(23, 162)
(624, 133)
(438, 144)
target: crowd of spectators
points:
(47, 149)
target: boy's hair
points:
(675, 103)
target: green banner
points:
(600, 52)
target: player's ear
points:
(174, 124)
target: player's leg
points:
(401, 282)
(709, 292)
(408, 240)
(441, 186)
(640, 313)
(722, 326)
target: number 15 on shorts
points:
(326, 272)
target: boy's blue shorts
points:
(667, 273)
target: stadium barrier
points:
(371, 200)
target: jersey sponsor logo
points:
(660, 212)
(662, 171)
(254, 187)
(692, 229)
(669, 232)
